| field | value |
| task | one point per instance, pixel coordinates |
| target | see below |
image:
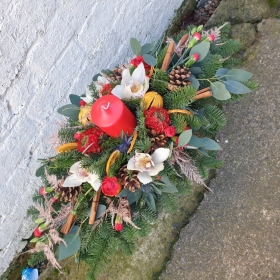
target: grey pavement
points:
(235, 233)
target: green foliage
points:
(272, 3)
(159, 81)
(32, 213)
(62, 162)
(160, 56)
(180, 98)
(209, 67)
(36, 258)
(214, 120)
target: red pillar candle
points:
(112, 116)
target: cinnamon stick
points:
(94, 207)
(203, 95)
(183, 40)
(70, 221)
(202, 90)
(168, 56)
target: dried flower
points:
(84, 115)
(157, 119)
(89, 140)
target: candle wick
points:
(106, 106)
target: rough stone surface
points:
(48, 50)
(235, 234)
(245, 33)
(239, 11)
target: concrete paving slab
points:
(235, 234)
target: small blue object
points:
(29, 274)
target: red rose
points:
(170, 131)
(88, 140)
(139, 59)
(110, 186)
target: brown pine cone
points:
(116, 75)
(128, 182)
(158, 140)
(68, 194)
(179, 76)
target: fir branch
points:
(180, 98)
(159, 81)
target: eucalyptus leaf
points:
(210, 144)
(156, 190)
(184, 138)
(168, 187)
(146, 48)
(236, 87)
(221, 72)
(202, 49)
(135, 46)
(151, 201)
(195, 142)
(194, 81)
(73, 242)
(238, 75)
(133, 196)
(95, 77)
(195, 70)
(149, 59)
(69, 110)
(100, 210)
(124, 193)
(40, 171)
(219, 91)
(75, 99)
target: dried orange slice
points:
(132, 142)
(180, 111)
(64, 148)
(112, 158)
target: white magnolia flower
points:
(132, 86)
(88, 98)
(80, 175)
(148, 165)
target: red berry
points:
(195, 56)
(42, 191)
(37, 232)
(197, 36)
(118, 226)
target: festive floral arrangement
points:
(141, 133)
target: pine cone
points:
(116, 75)
(179, 76)
(68, 194)
(158, 140)
(127, 182)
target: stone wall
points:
(48, 50)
